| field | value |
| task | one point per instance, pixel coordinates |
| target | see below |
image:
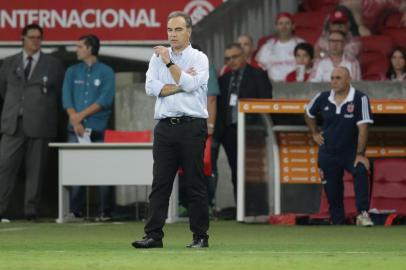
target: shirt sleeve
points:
(153, 85)
(107, 89)
(364, 115)
(313, 107)
(190, 83)
(67, 90)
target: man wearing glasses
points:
(336, 58)
(30, 86)
(244, 81)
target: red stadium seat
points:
(377, 43)
(118, 136)
(313, 5)
(310, 19)
(394, 20)
(398, 35)
(311, 35)
(389, 185)
(374, 66)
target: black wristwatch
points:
(170, 63)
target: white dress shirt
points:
(35, 58)
(324, 68)
(193, 101)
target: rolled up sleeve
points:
(67, 91)
(153, 85)
(107, 90)
(190, 83)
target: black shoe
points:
(148, 242)
(199, 243)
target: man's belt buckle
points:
(174, 120)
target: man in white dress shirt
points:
(177, 76)
(276, 56)
(336, 58)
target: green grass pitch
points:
(232, 246)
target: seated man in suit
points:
(244, 81)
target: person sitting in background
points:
(247, 44)
(304, 54)
(276, 55)
(368, 13)
(335, 59)
(338, 20)
(397, 66)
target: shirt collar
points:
(349, 98)
(35, 56)
(185, 51)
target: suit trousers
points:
(332, 168)
(13, 151)
(178, 145)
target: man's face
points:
(303, 58)
(284, 26)
(32, 40)
(340, 80)
(246, 45)
(336, 44)
(178, 33)
(83, 51)
(234, 58)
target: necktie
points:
(27, 68)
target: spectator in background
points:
(368, 13)
(304, 54)
(247, 44)
(276, 55)
(338, 20)
(88, 93)
(336, 58)
(397, 66)
(244, 81)
(30, 87)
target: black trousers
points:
(229, 142)
(179, 144)
(332, 168)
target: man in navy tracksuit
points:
(345, 114)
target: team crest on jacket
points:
(350, 108)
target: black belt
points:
(179, 120)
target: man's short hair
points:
(93, 42)
(29, 27)
(184, 15)
(307, 47)
(234, 45)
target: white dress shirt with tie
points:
(35, 58)
(193, 101)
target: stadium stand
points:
(374, 56)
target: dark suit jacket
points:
(254, 84)
(39, 97)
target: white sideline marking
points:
(12, 229)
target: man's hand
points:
(191, 71)
(75, 118)
(163, 52)
(79, 129)
(362, 159)
(318, 138)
